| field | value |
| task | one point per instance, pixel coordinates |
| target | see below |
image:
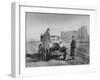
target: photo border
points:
(18, 68)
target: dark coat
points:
(73, 44)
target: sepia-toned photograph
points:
(53, 39)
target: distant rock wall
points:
(81, 35)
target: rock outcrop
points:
(81, 35)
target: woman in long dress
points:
(46, 42)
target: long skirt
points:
(72, 53)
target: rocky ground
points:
(54, 62)
(81, 57)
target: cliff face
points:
(81, 35)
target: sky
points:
(37, 23)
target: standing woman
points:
(46, 42)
